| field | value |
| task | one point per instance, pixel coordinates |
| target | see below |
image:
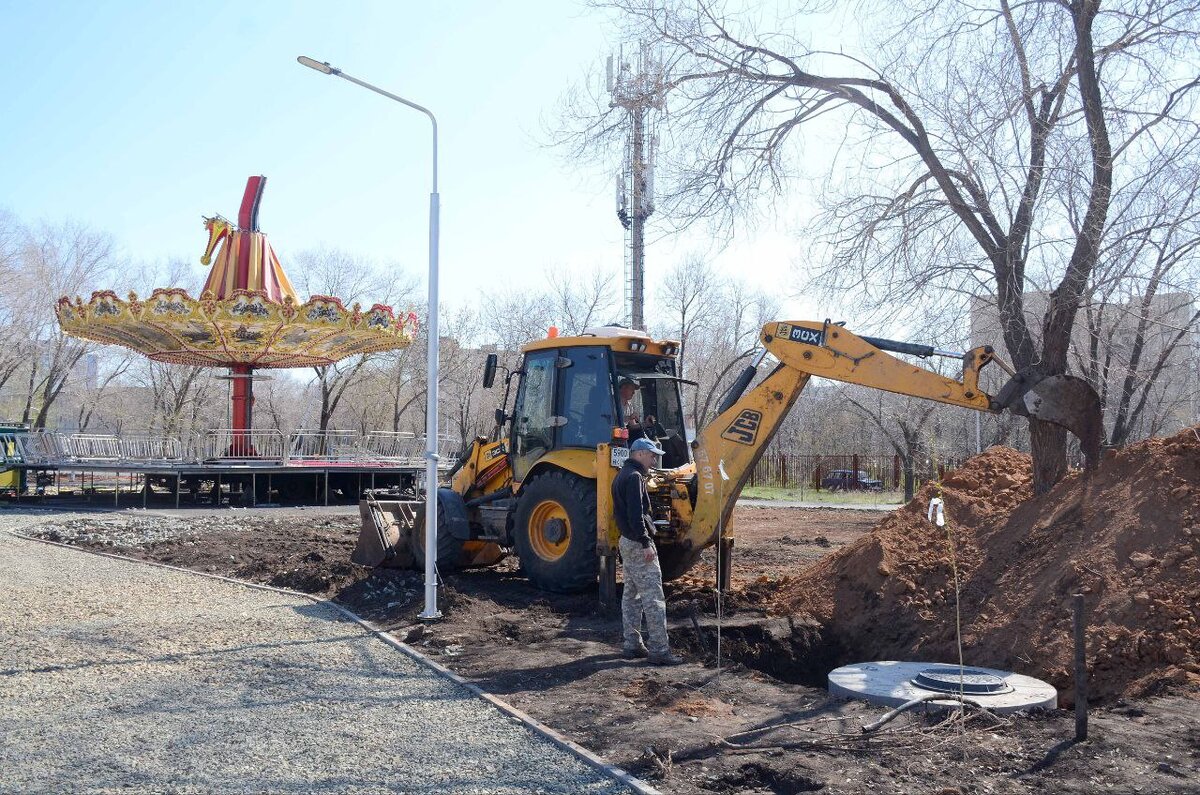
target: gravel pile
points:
(122, 531)
(119, 676)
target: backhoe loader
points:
(540, 488)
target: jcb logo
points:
(808, 336)
(744, 428)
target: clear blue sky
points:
(139, 117)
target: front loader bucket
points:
(387, 526)
(1063, 400)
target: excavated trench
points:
(756, 777)
(788, 649)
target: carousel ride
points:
(248, 317)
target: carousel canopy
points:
(247, 314)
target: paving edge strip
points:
(587, 757)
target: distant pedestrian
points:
(643, 595)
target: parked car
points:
(845, 480)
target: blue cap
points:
(645, 444)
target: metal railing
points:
(49, 447)
(394, 445)
(335, 446)
(222, 445)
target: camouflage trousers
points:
(643, 597)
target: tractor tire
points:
(449, 548)
(676, 561)
(554, 531)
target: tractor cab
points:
(575, 393)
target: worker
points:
(627, 390)
(643, 595)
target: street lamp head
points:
(321, 66)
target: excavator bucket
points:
(1063, 400)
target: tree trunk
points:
(25, 415)
(1048, 445)
(326, 410)
(910, 479)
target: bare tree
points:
(66, 259)
(719, 349)
(16, 318)
(688, 298)
(1140, 310)
(337, 273)
(95, 400)
(963, 121)
(179, 394)
(576, 304)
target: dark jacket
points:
(631, 503)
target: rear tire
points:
(554, 531)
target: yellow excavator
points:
(541, 486)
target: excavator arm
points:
(727, 450)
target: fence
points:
(786, 470)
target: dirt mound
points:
(1127, 536)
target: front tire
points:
(554, 531)
(449, 548)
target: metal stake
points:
(1081, 705)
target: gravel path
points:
(120, 676)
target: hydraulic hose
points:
(739, 386)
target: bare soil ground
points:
(761, 723)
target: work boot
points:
(635, 652)
(666, 658)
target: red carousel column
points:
(243, 408)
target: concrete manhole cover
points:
(892, 683)
(968, 681)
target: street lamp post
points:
(430, 612)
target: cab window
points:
(585, 398)
(533, 420)
(660, 404)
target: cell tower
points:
(637, 87)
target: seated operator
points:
(631, 415)
(653, 428)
